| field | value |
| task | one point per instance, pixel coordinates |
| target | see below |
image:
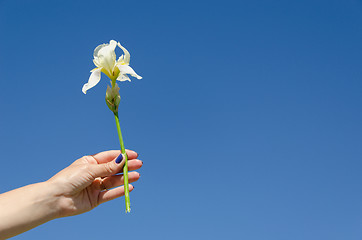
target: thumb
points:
(109, 168)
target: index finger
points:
(107, 156)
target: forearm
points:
(25, 208)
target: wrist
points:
(59, 203)
(49, 199)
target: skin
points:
(74, 190)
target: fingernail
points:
(119, 159)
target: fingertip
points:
(119, 158)
(132, 154)
(106, 156)
(135, 176)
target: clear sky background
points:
(248, 117)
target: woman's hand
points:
(92, 180)
(88, 182)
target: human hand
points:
(90, 180)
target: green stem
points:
(125, 167)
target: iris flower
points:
(106, 62)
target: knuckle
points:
(85, 158)
(108, 168)
(84, 168)
(81, 160)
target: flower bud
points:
(113, 98)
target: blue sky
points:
(248, 117)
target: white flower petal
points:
(127, 56)
(99, 47)
(123, 77)
(120, 60)
(95, 61)
(93, 80)
(125, 69)
(111, 44)
(104, 56)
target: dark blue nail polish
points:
(119, 158)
